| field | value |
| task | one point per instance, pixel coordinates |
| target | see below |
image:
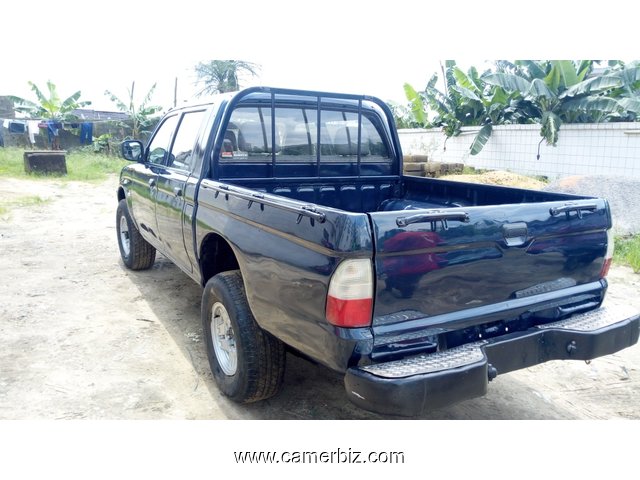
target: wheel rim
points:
(125, 238)
(224, 340)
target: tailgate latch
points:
(515, 234)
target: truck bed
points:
(453, 261)
(373, 194)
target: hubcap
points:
(224, 340)
(125, 239)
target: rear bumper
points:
(429, 381)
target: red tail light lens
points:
(350, 298)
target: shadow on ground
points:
(310, 391)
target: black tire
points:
(138, 254)
(260, 357)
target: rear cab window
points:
(312, 139)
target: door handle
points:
(152, 182)
(177, 191)
(433, 216)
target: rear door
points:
(171, 189)
(434, 262)
(144, 179)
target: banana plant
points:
(626, 90)
(49, 105)
(559, 91)
(142, 115)
(417, 106)
(458, 106)
(526, 91)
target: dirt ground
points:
(84, 338)
(499, 177)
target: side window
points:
(248, 136)
(339, 136)
(181, 152)
(372, 142)
(299, 134)
(158, 151)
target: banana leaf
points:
(481, 139)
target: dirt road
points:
(82, 337)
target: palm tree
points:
(220, 76)
(51, 106)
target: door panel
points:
(144, 180)
(169, 210)
(172, 190)
(141, 199)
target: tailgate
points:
(435, 262)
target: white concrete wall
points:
(582, 149)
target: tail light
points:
(350, 298)
(608, 257)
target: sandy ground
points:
(82, 337)
(499, 177)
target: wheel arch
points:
(121, 194)
(216, 256)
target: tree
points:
(619, 82)
(560, 91)
(404, 117)
(220, 76)
(526, 91)
(466, 101)
(141, 115)
(49, 106)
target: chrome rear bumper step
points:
(423, 382)
(473, 352)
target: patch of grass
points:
(627, 252)
(468, 170)
(26, 201)
(81, 165)
(11, 162)
(541, 178)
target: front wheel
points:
(247, 363)
(136, 252)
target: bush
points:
(627, 252)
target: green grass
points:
(627, 252)
(468, 170)
(81, 165)
(25, 201)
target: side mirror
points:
(132, 150)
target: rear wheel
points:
(136, 252)
(247, 363)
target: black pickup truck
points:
(290, 208)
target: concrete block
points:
(51, 162)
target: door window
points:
(182, 151)
(158, 151)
